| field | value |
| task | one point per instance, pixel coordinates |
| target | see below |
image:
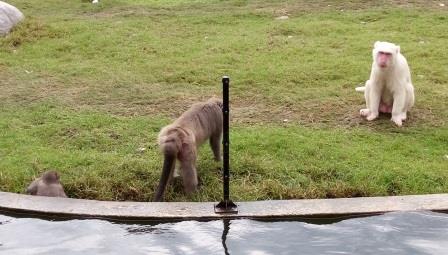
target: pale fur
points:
(389, 89)
(181, 140)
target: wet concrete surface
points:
(68, 207)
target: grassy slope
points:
(84, 86)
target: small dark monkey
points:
(181, 140)
(47, 185)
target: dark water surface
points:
(391, 233)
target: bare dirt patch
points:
(280, 8)
(152, 100)
(335, 113)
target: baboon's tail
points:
(170, 151)
(360, 89)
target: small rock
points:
(420, 76)
(285, 120)
(95, 1)
(290, 36)
(206, 37)
(363, 22)
(282, 18)
(142, 149)
(441, 5)
(421, 42)
(28, 72)
(446, 157)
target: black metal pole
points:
(226, 205)
(225, 136)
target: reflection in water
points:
(392, 233)
(225, 231)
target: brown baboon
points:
(47, 185)
(181, 139)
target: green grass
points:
(84, 86)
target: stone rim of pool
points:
(267, 209)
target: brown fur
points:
(181, 139)
(47, 185)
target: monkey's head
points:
(217, 101)
(384, 54)
(50, 177)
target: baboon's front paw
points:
(364, 112)
(397, 120)
(372, 116)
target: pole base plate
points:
(226, 206)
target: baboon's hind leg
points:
(188, 169)
(189, 177)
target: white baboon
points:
(181, 140)
(389, 88)
(47, 185)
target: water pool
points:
(420, 232)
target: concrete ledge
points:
(306, 208)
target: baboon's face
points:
(384, 54)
